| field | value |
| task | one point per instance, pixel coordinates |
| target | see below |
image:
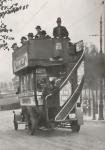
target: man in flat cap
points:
(60, 31)
(23, 40)
(38, 35)
(30, 36)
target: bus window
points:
(28, 82)
(22, 84)
(25, 83)
(31, 81)
(41, 77)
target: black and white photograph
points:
(52, 74)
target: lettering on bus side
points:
(21, 62)
(28, 93)
(27, 101)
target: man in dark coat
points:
(60, 31)
(39, 32)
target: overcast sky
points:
(81, 17)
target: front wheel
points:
(50, 126)
(15, 125)
(75, 127)
(33, 125)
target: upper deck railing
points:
(39, 52)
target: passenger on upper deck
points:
(60, 31)
(39, 33)
(44, 35)
(30, 36)
(23, 40)
(14, 46)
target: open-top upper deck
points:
(39, 52)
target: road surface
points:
(90, 137)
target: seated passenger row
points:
(41, 34)
(58, 32)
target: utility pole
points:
(104, 26)
(101, 72)
(101, 75)
(103, 3)
(101, 34)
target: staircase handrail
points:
(69, 98)
(71, 72)
(68, 76)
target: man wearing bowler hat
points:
(39, 33)
(60, 31)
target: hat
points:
(30, 34)
(43, 32)
(38, 27)
(23, 37)
(13, 45)
(58, 19)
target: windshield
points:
(26, 82)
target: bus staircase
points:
(72, 99)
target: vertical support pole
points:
(35, 89)
(101, 75)
(89, 103)
(96, 100)
(101, 101)
(94, 106)
(104, 25)
(101, 34)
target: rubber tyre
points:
(50, 126)
(33, 125)
(78, 128)
(15, 125)
(75, 127)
